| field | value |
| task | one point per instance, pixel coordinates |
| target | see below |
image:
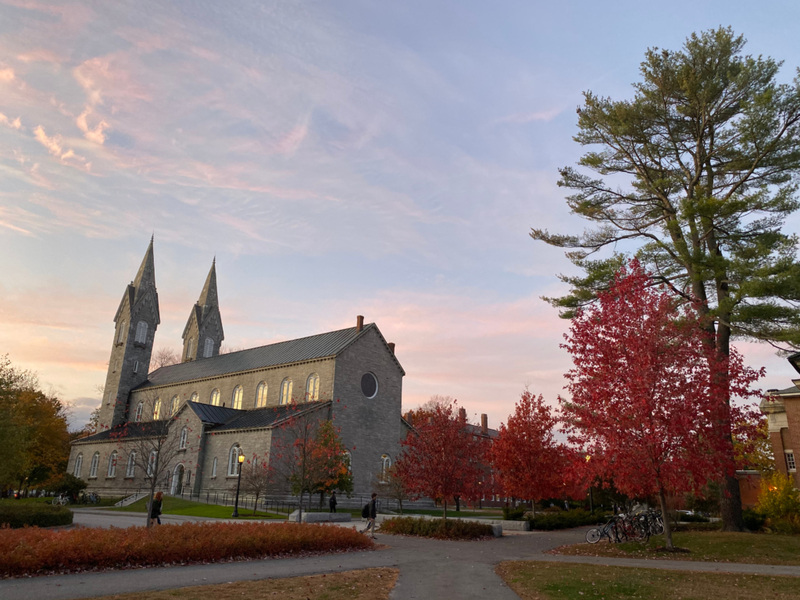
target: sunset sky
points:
(339, 158)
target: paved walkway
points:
(428, 568)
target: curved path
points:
(428, 568)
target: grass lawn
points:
(719, 546)
(367, 584)
(178, 506)
(553, 581)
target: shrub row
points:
(33, 551)
(34, 514)
(692, 518)
(514, 514)
(566, 520)
(440, 529)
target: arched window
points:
(157, 410)
(261, 395)
(386, 463)
(236, 397)
(121, 336)
(349, 460)
(208, 350)
(188, 479)
(215, 398)
(173, 405)
(184, 437)
(286, 391)
(112, 465)
(233, 460)
(214, 467)
(151, 463)
(312, 387)
(189, 346)
(94, 465)
(139, 411)
(141, 332)
(194, 398)
(130, 469)
(78, 465)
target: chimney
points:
(462, 413)
(359, 322)
(484, 424)
(391, 347)
(408, 418)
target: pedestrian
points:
(155, 509)
(332, 502)
(370, 512)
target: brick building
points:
(234, 403)
(782, 408)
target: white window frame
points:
(214, 467)
(112, 465)
(208, 349)
(189, 345)
(94, 466)
(141, 332)
(215, 397)
(233, 460)
(791, 461)
(139, 411)
(261, 394)
(130, 469)
(184, 438)
(195, 397)
(312, 387)
(136, 366)
(349, 461)
(151, 462)
(76, 469)
(173, 405)
(236, 397)
(286, 391)
(386, 464)
(157, 410)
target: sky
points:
(338, 158)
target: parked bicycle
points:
(61, 500)
(89, 498)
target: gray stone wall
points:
(254, 443)
(370, 427)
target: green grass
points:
(178, 506)
(554, 581)
(718, 546)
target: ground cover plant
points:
(554, 581)
(439, 529)
(366, 584)
(33, 551)
(714, 546)
(178, 506)
(34, 515)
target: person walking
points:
(332, 502)
(155, 509)
(371, 512)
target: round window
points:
(369, 385)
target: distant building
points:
(782, 408)
(232, 403)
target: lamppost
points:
(235, 514)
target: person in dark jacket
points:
(155, 509)
(373, 512)
(332, 502)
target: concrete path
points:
(428, 568)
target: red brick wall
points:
(792, 435)
(749, 487)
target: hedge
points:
(566, 519)
(33, 551)
(440, 529)
(34, 515)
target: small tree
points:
(391, 485)
(525, 456)
(152, 446)
(257, 479)
(163, 357)
(647, 400)
(442, 458)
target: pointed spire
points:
(208, 297)
(146, 276)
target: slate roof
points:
(788, 391)
(216, 415)
(126, 431)
(323, 345)
(266, 417)
(476, 430)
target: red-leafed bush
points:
(32, 551)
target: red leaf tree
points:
(649, 392)
(525, 456)
(443, 458)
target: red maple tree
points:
(443, 458)
(649, 392)
(525, 456)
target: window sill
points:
(129, 478)
(182, 449)
(95, 477)
(139, 344)
(107, 477)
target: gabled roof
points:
(268, 417)
(215, 415)
(323, 345)
(127, 431)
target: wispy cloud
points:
(15, 124)
(6, 74)
(523, 118)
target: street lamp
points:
(235, 514)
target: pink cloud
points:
(41, 55)
(15, 124)
(94, 134)
(289, 143)
(7, 75)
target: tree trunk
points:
(255, 504)
(662, 500)
(444, 515)
(400, 502)
(533, 508)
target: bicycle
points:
(89, 498)
(609, 530)
(61, 500)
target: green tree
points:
(699, 171)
